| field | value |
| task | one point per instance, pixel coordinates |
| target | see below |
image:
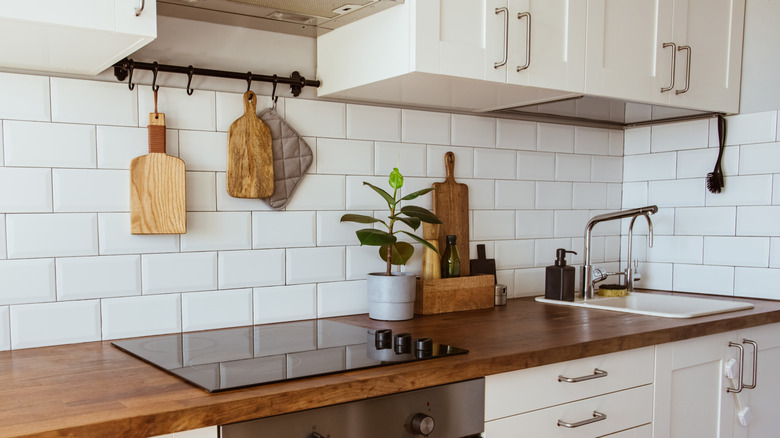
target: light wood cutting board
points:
(451, 204)
(157, 195)
(250, 161)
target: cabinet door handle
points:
(506, 36)
(527, 41)
(597, 416)
(687, 69)
(755, 363)
(140, 7)
(741, 361)
(673, 65)
(597, 374)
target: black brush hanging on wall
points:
(715, 178)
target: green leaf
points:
(359, 218)
(374, 237)
(396, 180)
(389, 199)
(420, 213)
(401, 253)
(412, 222)
(424, 242)
(411, 196)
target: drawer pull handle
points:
(755, 363)
(741, 361)
(597, 374)
(597, 416)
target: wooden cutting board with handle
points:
(250, 161)
(451, 204)
(157, 195)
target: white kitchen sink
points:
(666, 306)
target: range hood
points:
(309, 18)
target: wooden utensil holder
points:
(454, 294)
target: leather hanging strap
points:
(156, 129)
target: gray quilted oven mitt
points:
(292, 157)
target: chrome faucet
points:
(588, 271)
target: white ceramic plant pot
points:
(391, 298)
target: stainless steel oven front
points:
(454, 410)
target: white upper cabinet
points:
(681, 53)
(75, 36)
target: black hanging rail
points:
(124, 70)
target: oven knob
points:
(424, 344)
(383, 339)
(422, 424)
(403, 343)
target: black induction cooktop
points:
(219, 360)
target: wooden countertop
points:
(93, 389)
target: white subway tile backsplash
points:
(207, 231)
(473, 131)
(606, 169)
(507, 278)
(589, 195)
(681, 135)
(373, 123)
(774, 252)
(93, 102)
(342, 298)
(284, 303)
(649, 167)
(655, 276)
(495, 164)
(751, 128)
(317, 118)
(572, 167)
(409, 158)
(239, 269)
(117, 146)
(756, 282)
(707, 221)
(635, 194)
(363, 197)
(308, 265)
(759, 159)
(493, 225)
(115, 238)
(283, 229)
(362, 260)
(529, 282)
(464, 161)
(425, 127)
(758, 221)
(515, 134)
(5, 328)
(36, 196)
(513, 254)
(26, 281)
(704, 279)
(331, 231)
(201, 191)
(185, 272)
(37, 325)
(570, 223)
(141, 316)
(3, 246)
(319, 192)
(743, 190)
(412, 185)
(25, 97)
(216, 309)
(544, 251)
(776, 190)
(699, 162)
(481, 194)
(51, 235)
(196, 112)
(677, 193)
(77, 190)
(37, 144)
(591, 141)
(676, 249)
(225, 202)
(616, 138)
(82, 278)
(203, 150)
(637, 141)
(535, 166)
(534, 224)
(737, 251)
(555, 138)
(614, 196)
(512, 195)
(350, 157)
(553, 195)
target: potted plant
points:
(391, 295)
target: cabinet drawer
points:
(623, 410)
(521, 391)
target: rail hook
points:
(130, 67)
(190, 72)
(248, 81)
(274, 97)
(155, 69)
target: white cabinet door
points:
(764, 399)
(690, 389)
(709, 33)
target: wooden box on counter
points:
(454, 294)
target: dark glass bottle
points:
(450, 261)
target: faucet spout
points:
(630, 269)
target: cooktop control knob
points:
(403, 343)
(422, 424)
(383, 339)
(424, 344)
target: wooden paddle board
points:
(157, 195)
(250, 161)
(451, 205)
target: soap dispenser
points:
(559, 281)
